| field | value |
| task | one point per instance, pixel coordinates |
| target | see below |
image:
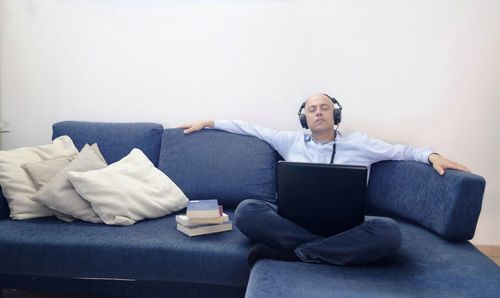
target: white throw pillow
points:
(59, 194)
(129, 190)
(17, 186)
(43, 171)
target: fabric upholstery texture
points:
(448, 205)
(115, 140)
(59, 194)
(212, 164)
(425, 266)
(129, 190)
(17, 186)
(149, 250)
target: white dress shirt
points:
(354, 149)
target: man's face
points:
(319, 113)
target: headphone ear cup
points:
(337, 116)
(303, 121)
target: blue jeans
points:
(376, 238)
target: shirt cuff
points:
(217, 123)
(221, 124)
(425, 155)
(428, 157)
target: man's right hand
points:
(195, 126)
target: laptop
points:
(326, 199)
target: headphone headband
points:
(332, 99)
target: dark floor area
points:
(28, 294)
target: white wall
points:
(415, 72)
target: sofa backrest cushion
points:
(213, 164)
(115, 140)
(449, 205)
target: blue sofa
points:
(151, 258)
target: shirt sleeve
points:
(280, 140)
(379, 150)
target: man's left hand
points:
(440, 164)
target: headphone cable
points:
(334, 147)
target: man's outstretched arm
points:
(281, 141)
(379, 150)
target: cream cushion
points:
(43, 171)
(129, 190)
(60, 195)
(17, 186)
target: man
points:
(280, 238)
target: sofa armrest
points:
(448, 205)
(4, 207)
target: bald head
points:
(319, 115)
(319, 97)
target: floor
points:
(491, 251)
(28, 294)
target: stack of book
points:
(203, 217)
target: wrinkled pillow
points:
(129, 190)
(96, 150)
(17, 186)
(43, 171)
(60, 195)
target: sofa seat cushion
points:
(425, 266)
(149, 250)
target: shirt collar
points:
(309, 137)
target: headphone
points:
(337, 112)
